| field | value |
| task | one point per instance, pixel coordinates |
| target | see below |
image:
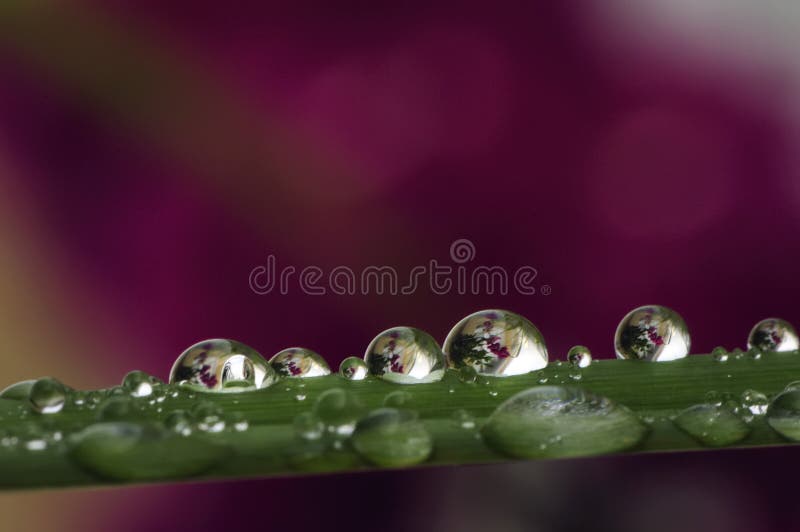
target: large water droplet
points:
(392, 438)
(139, 383)
(19, 391)
(496, 343)
(560, 421)
(299, 362)
(712, 425)
(653, 333)
(405, 355)
(353, 368)
(131, 451)
(783, 414)
(338, 410)
(773, 334)
(222, 366)
(47, 396)
(579, 356)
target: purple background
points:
(152, 154)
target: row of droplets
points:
(495, 343)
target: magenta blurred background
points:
(153, 153)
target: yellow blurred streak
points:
(48, 322)
(246, 159)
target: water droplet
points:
(783, 414)
(47, 396)
(719, 354)
(139, 383)
(397, 399)
(116, 408)
(238, 422)
(300, 397)
(755, 353)
(464, 419)
(353, 368)
(773, 334)
(712, 425)
(737, 354)
(180, 422)
(525, 425)
(338, 410)
(298, 362)
(307, 426)
(222, 366)
(496, 343)
(755, 401)
(652, 333)
(468, 375)
(208, 417)
(405, 355)
(579, 356)
(131, 451)
(392, 438)
(493, 393)
(541, 377)
(794, 385)
(18, 391)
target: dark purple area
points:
(497, 124)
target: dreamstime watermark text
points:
(441, 278)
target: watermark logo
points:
(456, 277)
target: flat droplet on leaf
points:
(712, 425)
(18, 391)
(561, 421)
(783, 414)
(392, 438)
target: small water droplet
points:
(575, 374)
(579, 356)
(220, 365)
(405, 355)
(493, 393)
(208, 417)
(496, 343)
(353, 368)
(541, 377)
(712, 425)
(300, 397)
(132, 451)
(652, 333)
(180, 422)
(392, 438)
(338, 410)
(18, 391)
(238, 422)
(307, 426)
(587, 424)
(755, 401)
(299, 363)
(464, 419)
(783, 414)
(116, 408)
(467, 375)
(720, 354)
(397, 399)
(794, 385)
(47, 396)
(139, 383)
(773, 334)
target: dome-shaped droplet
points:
(353, 368)
(139, 383)
(653, 333)
(497, 343)
(338, 410)
(222, 366)
(18, 391)
(560, 421)
(579, 356)
(47, 396)
(208, 417)
(783, 414)
(755, 402)
(179, 422)
(712, 425)
(133, 451)
(392, 438)
(299, 362)
(773, 334)
(405, 355)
